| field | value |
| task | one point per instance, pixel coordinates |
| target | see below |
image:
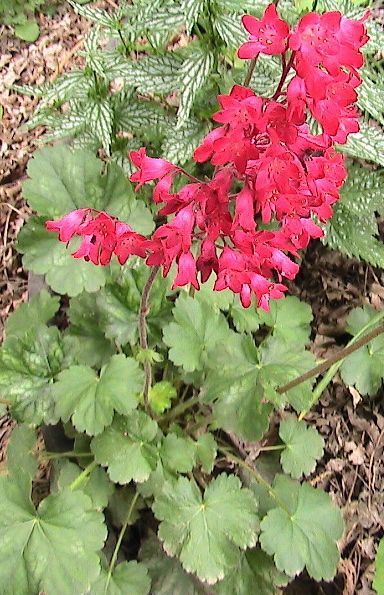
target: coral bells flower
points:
(68, 225)
(269, 169)
(267, 35)
(102, 236)
(149, 168)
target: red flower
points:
(68, 225)
(267, 35)
(129, 243)
(149, 168)
(186, 272)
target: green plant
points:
(19, 14)
(217, 378)
(162, 392)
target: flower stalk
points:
(143, 336)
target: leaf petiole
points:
(257, 476)
(83, 476)
(119, 540)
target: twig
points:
(143, 313)
(320, 368)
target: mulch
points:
(352, 468)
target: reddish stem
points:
(286, 68)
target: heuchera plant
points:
(274, 181)
(191, 448)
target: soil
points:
(352, 468)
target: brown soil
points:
(352, 468)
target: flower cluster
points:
(273, 182)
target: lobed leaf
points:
(302, 531)
(127, 448)
(304, 446)
(195, 330)
(364, 368)
(192, 525)
(90, 401)
(51, 549)
(127, 577)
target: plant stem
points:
(5, 402)
(119, 540)
(83, 476)
(60, 455)
(180, 408)
(286, 69)
(123, 42)
(143, 313)
(190, 176)
(250, 70)
(275, 447)
(258, 477)
(355, 343)
(336, 359)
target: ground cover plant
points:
(159, 380)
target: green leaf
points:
(232, 383)
(179, 148)
(131, 114)
(378, 581)
(161, 395)
(191, 10)
(371, 92)
(230, 29)
(62, 180)
(119, 504)
(266, 76)
(96, 15)
(280, 362)
(99, 116)
(127, 577)
(20, 451)
(289, 318)
(118, 305)
(178, 453)
(28, 365)
(28, 31)
(167, 574)
(39, 310)
(364, 368)
(192, 525)
(367, 144)
(353, 228)
(127, 448)
(90, 401)
(206, 450)
(256, 573)
(85, 339)
(193, 74)
(51, 549)
(45, 255)
(246, 320)
(304, 446)
(304, 5)
(303, 530)
(197, 328)
(151, 74)
(97, 485)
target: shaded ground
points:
(352, 468)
